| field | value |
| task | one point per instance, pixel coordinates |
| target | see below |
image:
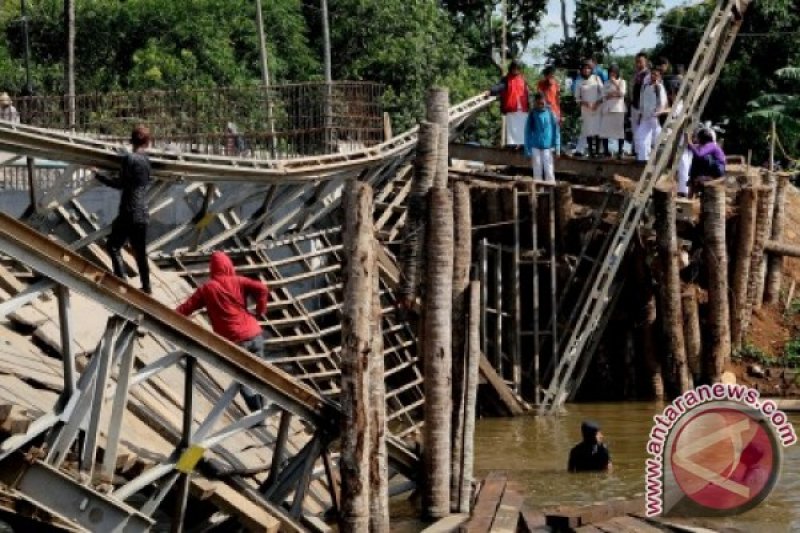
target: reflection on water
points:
(534, 451)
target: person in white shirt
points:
(641, 79)
(7, 111)
(589, 95)
(652, 104)
(612, 112)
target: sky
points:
(628, 40)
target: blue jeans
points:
(255, 346)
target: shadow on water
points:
(534, 452)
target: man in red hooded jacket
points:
(225, 297)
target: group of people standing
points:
(611, 109)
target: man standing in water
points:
(590, 455)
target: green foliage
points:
(791, 353)
(152, 44)
(749, 352)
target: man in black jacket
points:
(133, 216)
(590, 455)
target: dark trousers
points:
(123, 231)
(256, 347)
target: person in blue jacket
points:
(542, 139)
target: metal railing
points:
(277, 121)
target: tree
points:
(782, 108)
(587, 40)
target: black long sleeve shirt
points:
(133, 180)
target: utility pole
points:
(24, 12)
(326, 38)
(262, 49)
(28, 92)
(69, 68)
(326, 46)
(503, 62)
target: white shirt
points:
(589, 90)
(653, 100)
(614, 96)
(9, 113)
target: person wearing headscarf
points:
(591, 454)
(612, 112)
(589, 95)
(551, 90)
(8, 112)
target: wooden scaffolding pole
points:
(412, 256)
(644, 280)
(357, 311)
(438, 112)
(379, 461)
(716, 257)
(667, 241)
(437, 354)
(754, 285)
(772, 288)
(471, 397)
(462, 259)
(691, 332)
(741, 267)
(770, 181)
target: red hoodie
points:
(225, 297)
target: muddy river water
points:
(534, 450)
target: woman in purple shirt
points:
(708, 159)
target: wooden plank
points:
(491, 492)
(626, 524)
(448, 524)
(252, 516)
(507, 517)
(531, 520)
(511, 403)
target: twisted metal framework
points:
(277, 460)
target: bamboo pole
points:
(438, 112)
(462, 259)
(756, 260)
(436, 354)
(412, 256)
(379, 461)
(471, 396)
(714, 199)
(741, 267)
(769, 182)
(772, 288)
(691, 331)
(648, 320)
(667, 243)
(357, 311)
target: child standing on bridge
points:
(225, 297)
(133, 217)
(542, 139)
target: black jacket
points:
(133, 180)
